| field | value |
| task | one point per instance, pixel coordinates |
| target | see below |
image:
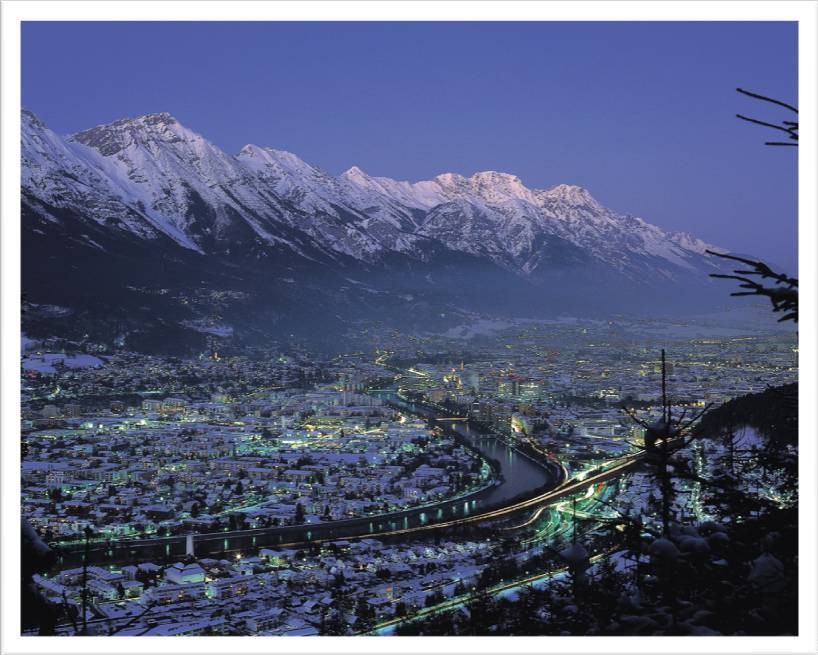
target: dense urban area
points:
(424, 485)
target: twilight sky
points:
(641, 114)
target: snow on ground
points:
(747, 437)
(45, 363)
(27, 343)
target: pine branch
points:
(758, 96)
(789, 127)
(784, 298)
(632, 415)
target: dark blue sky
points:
(642, 114)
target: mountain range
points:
(144, 233)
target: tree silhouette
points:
(664, 441)
(784, 293)
(783, 296)
(788, 127)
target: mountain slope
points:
(155, 206)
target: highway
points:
(242, 540)
(520, 476)
(386, 627)
(496, 502)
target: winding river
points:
(520, 476)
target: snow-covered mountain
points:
(156, 176)
(152, 183)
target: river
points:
(519, 476)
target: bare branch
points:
(767, 99)
(788, 130)
(790, 127)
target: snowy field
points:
(45, 363)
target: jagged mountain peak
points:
(496, 177)
(158, 118)
(572, 202)
(693, 243)
(449, 179)
(200, 196)
(147, 131)
(259, 158)
(571, 194)
(29, 118)
(155, 122)
(154, 119)
(499, 187)
(250, 150)
(146, 193)
(355, 174)
(566, 189)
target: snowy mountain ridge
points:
(154, 177)
(147, 235)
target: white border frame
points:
(803, 11)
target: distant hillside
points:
(773, 413)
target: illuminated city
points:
(513, 350)
(217, 487)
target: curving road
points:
(520, 478)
